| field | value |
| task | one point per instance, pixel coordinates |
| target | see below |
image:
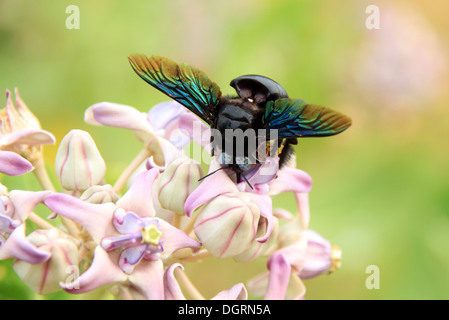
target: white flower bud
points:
(227, 225)
(62, 265)
(177, 182)
(99, 194)
(79, 164)
(258, 249)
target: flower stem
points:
(188, 285)
(176, 220)
(138, 160)
(41, 174)
(39, 221)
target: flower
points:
(20, 132)
(174, 292)
(12, 164)
(233, 216)
(79, 164)
(131, 242)
(177, 182)
(154, 129)
(224, 209)
(14, 210)
(318, 257)
(64, 255)
(99, 194)
(282, 280)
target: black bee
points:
(261, 105)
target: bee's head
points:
(258, 89)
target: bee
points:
(261, 104)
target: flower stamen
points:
(151, 234)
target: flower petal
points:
(291, 179)
(294, 254)
(164, 118)
(138, 198)
(164, 153)
(266, 211)
(279, 277)
(171, 287)
(13, 165)
(103, 270)
(318, 255)
(27, 136)
(211, 187)
(126, 222)
(149, 278)
(237, 292)
(25, 201)
(130, 257)
(19, 247)
(175, 239)
(95, 218)
(117, 115)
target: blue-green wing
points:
(296, 118)
(181, 82)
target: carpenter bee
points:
(261, 104)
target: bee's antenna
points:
(209, 174)
(247, 181)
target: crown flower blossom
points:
(131, 241)
(173, 290)
(20, 130)
(181, 172)
(154, 129)
(15, 209)
(79, 164)
(63, 254)
(21, 137)
(321, 256)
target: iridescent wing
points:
(181, 82)
(296, 118)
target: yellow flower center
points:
(335, 258)
(151, 234)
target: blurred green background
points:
(381, 189)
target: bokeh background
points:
(381, 189)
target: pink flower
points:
(318, 257)
(14, 210)
(157, 130)
(132, 242)
(174, 292)
(282, 280)
(13, 165)
(63, 257)
(20, 132)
